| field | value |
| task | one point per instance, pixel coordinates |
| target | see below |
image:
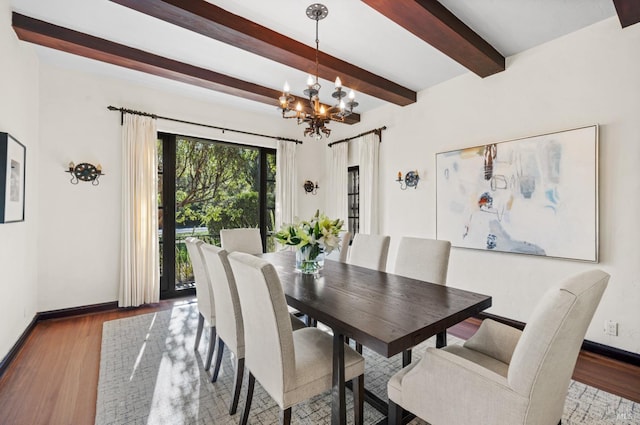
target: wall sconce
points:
(85, 172)
(310, 187)
(411, 179)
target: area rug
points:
(150, 374)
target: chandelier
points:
(314, 114)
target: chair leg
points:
(212, 344)
(247, 403)
(358, 400)
(236, 387)
(199, 331)
(219, 352)
(395, 414)
(285, 416)
(358, 347)
(441, 339)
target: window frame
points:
(168, 176)
(353, 200)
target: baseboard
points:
(4, 365)
(49, 315)
(590, 346)
(76, 311)
(612, 352)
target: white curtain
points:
(285, 183)
(139, 256)
(337, 190)
(369, 211)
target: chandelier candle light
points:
(315, 115)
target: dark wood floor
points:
(54, 378)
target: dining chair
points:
(427, 260)
(341, 254)
(229, 324)
(290, 366)
(369, 251)
(423, 259)
(244, 240)
(204, 295)
(501, 375)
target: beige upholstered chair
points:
(290, 366)
(502, 376)
(229, 325)
(204, 294)
(344, 246)
(423, 259)
(242, 240)
(427, 260)
(341, 255)
(369, 251)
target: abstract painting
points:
(537, 195)
(12, 162)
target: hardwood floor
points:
(54, 378)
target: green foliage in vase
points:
(319, 234)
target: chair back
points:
(341, 254)
(423, 259)
(269, 350)
(545, 356)
(242, 240)
(369, 251)
(227, 304)
(344, 246)
(204, 291)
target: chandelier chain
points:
(317, 48)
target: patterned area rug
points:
(150, 374)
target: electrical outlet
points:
(611, 327)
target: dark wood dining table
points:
(385, 312)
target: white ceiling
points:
(352, 31)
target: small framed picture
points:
(13, 156)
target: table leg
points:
(441, 339)
(338, 403)
(406, 357)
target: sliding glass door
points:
(206, 186)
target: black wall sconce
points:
(411, 179)
(310, 187)
(85, 172)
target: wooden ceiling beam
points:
(77, 43)
(628, 11)
(435, 24)
(214, 22)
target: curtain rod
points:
(378, 131)
(154, 116)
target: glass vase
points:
(309, 259)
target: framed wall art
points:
(537, 195)
(12, 178)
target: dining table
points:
(385, 312)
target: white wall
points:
(18, 117)
(588, 77)
(80, 224)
